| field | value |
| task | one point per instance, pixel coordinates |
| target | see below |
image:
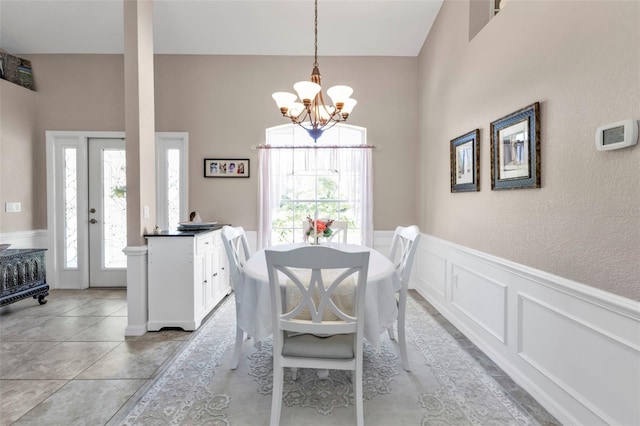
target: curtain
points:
(272, 175)
(281, 160)
(264, 204)
(367, 197)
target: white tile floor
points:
(68, 362)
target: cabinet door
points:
(211, 274)
(223, 268)
(200, 285)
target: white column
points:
(140, 136)
(137, 305)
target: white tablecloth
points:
(254, 315)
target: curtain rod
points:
(364, 146)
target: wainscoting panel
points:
(434, 271)
(25, 239)
(576, 349)
(608, 360)
(468, 288)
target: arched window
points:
(327, 179)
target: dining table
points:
(254, 301)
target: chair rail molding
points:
(574, 348)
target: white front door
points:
(86, 203)
(107, 214)
(70, 174)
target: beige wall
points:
(74, 93)
(225, 104)
(18, 165)
(581, 61)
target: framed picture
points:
(226, 168)
(465, 162)
(515, 149)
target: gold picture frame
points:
(465, 162)
(515, 150)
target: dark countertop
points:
(176, 233)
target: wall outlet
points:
(13, 207)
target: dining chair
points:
(236, 246)
(403, 250)
(339, 229)
(319, 322)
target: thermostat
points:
(617, 135)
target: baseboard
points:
(135, 330)
(574, 348)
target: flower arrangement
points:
(322, 228)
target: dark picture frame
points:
(515, 150)
(226, 167)
(465, 162)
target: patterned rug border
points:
(466, 394)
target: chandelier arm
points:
(329, 124)
(300, 119)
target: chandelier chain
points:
(315, 63)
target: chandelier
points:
(312, 113)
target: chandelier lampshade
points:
(308, 109)
(306, 90)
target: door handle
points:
(93, 221)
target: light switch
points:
(145, 212)
(13, 207)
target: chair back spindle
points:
(235, 244)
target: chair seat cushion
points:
(338, 346)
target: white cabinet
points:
(188, 277)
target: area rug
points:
(445, 387)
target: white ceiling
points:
(216, 27)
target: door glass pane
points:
(70, 208)
(114, 208)
(173, 187)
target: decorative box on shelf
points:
(23, 274)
